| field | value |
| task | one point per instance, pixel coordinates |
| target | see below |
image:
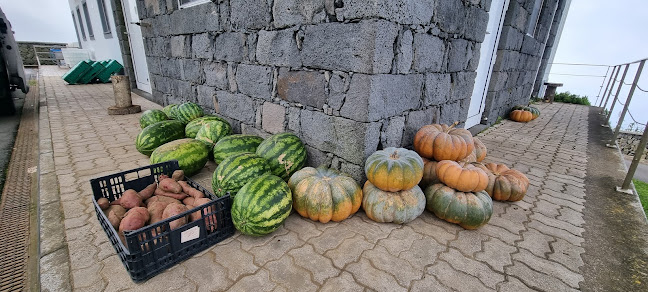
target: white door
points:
(136, 45)
(488, 53)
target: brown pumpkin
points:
(521, 116)
(462, 177)
(429, 173)
(480, 150)
(443, 142)
(505, 184)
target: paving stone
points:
(496, 253)
(562, 202)
(289, 275)
(567, 254)
(370, 277)
(401, 269)
(260, 281)
(206, 273)
(371, 231)
(248, 242)
(275, 248)
(469, 266)
(237, 261)
(439, 234)
(429, 283)
(537, 280)
(304, 228)
(319, 266)
(87, 277)
(547, 208)
(570, 216)
(400, 240)
(469, 242)
(512, 284)
(55, 271)
(578, 231)
(536, 242)
(423, 252)
(500, 233)
(115, 274)
(331, 238)
(349, 251)
(447, 275)
(342, 283)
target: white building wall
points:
(103, 46)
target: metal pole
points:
(611, 88)
(635, 160)
(607, 86)
(616, 96)
(602, 82)
(627, 103)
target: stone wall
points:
(551, 42)
(348, 77)
(29, 57)
(628, 143)
(518, 57)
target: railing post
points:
(611, 88)
(607, 86)
(627, 103)
(616, 96)
(635, 160)
(602, 82)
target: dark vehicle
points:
(12, 75)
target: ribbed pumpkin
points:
(521, 116)
(480, 150)
(429, 173)
(443, 142)
(323, 194)
(505, 184)
(399, 207)
(394, 169)
(470, 158)
(535, 112)
(469, 210)
(462, 177)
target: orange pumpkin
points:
(521, 116)
(429, 173)
(480, 150)
(443, 142)
(470, 158)
(462, 177)
(505, 184)
(394, 169)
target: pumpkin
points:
(429, 173)
(505, 184)
(469, 210)
(323, 194)
(470, 158)
(535, 112)
(394, 169)
(397, 207)
(462, 177)
(443, 142)
(480, 150)
(521, 116)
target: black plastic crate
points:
(153, 248)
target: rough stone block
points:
(183, 90)
(365, 47)
(473, 63)
(450, 15)
(191, 70)
(229, 46)
(216, 74)
(338, 86)
(454, 112)
(405, 12)
(476, 23)
(170, 68)
(417, 119)
(249, 14)
(531, 46)
(236, 106)
(510, 39)
(429, 52)
(355, 171)
(153, 64)
(405, 54)
(205, 96)
(160, 26)
(498, 81)
(459, 54)
(274, 116)
(201, 46)
(278, 48)
(437, 88)
(181, 46)
(255, 81)
(517, 16)
(293, 120)
(462, 85)
(296, 12)
(305, 87)
(316, 157)
(393, 133)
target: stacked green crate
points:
(75, 74)
(92, 74)
(113, 67)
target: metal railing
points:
(46, 53)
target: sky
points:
(596, 32)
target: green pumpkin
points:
(469, 210)
(397, 207)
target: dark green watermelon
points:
(235, 144)
(261, 205)
(188, 112)
(152, 116)
(194, 126)
(213, 131)
(157, 134)
(191, 154)
(237, 170)
(169, 110)
(285, 153)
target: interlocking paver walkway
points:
(534, 244)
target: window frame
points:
(191, 3)
(105, 21)
(79, 19)
(534, 18)
(76, 28)
(84, 5)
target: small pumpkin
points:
(443, 142)
(505, 184)
(398, 207)
(394, 169)
(521, 116)
(470, 158)
(429, 173)
(535, 112)
(463, 177)
(480, 150)
(469, 210)
(323, 194)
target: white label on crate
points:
(190, 234)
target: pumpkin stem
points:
(394, 155)
(452, 126)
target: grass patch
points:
(32, 83)
(642, 190)
(568, 97)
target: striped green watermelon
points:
(261, 205)
(157, 134)
(213, 131)
(191, 154)
(188, 112)
(285, 152)
(169, 110)
(152, 116)
(235, 144)
(192, 127)
(237, 170)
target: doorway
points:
(136, 45)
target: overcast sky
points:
(596, 32)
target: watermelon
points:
(235, 144)
(192, 127)
(285, 152)
(152, 116)
(261, 205)
(237, 170)
(169, 110)
(188, 112)
(191, 154)
(157, 134)
(211, 132)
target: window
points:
(534, 18)
(76, 28)
(81, 24)
(87, 19)
(105, 22)
(189, 3)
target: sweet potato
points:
(148, 191)
(162, 176)
(211, 219)
(189, 201)
(129, 199)
(178, 175)
(167, 200)
(103, 203)
(170, 185)
(177, 196)
(134, 219)
(155, 211)
(172, 210)
(115, 214)
(189, 190)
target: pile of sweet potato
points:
(158, 201)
